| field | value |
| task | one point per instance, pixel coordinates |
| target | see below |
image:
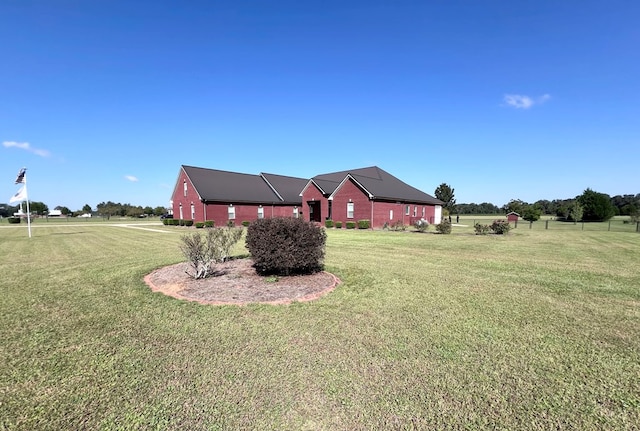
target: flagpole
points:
(28, 210)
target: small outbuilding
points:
(513, 217)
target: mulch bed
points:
(237, 283)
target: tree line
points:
(106, 209)
(589, 206)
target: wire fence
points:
(614, 225)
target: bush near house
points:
(209, 223)
(204, 251)
(351, 225)
(421, 225)
(246, 223)
(444, 227)
(364, 224)
(328, 223)
(286, 246)
(199, 225)
(338, 225)
(398, 226)
(13, 220)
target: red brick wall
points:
(313, 194)
(179, 198)
(349, 192)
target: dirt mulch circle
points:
(237, 283)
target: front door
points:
(314, 211)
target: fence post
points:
(609, 228)
(546, 225)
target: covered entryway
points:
(314, 211)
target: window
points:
(260, 212)
(184, 187)
(350, 210)
(295, 212)
(181, 216)
(193, 212)
(422, 212)
(407, 209)
(232, 212)
(415, 211)
(390, 214)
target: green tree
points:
(515, 205)
(148, 210)
(63, 210)
(532, 212)
(159, 211)
(38, 207)
(575, 211)
(445, 193)
(86, 209)
(597, 206)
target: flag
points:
(20, 196)
(20, 177)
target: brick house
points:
(208, 194)
(368, 193)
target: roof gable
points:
(378, 184)
(287, 188)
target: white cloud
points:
(27, 147)
(520, 101)
(131, 178)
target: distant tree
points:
(63, 210)
(38, 207)
(148, 210)
(514, 205)
(634, 214)
(597, 206)
(575, 212)
(4, 210)
(133, 211)
(446, 194)
(86, 209)
(159, 211)
(532, 212)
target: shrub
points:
(174, 222)
(199, 225)
(231, 223)
(338, 225)
(444, 227)
(500, 227)
(350, 225)
(481, 229)
(13, 220)
(364, 224)
(398, 226)
(188, 222)
(204, 251)
(285, 246)
(421, 225)
(181, 222)
(209, 223)
(328, 223)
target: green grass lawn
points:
(539, 329)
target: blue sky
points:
(104, 100)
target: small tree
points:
(421, 225)
(597, 206)
(500, 227)
(532, 213)
(445, 193)
(204, 251)
(86, 209)
(575, 211)
(444, 227)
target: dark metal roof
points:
(379, 183)
(232, 187)
(288, 188)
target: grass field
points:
(539, 329)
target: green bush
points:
(181, 222)
(500, 227)
(188, 222)
(338, 225)
(209, 223)
(364, 224)
(444, 227)
(13, 220)
(231, 223)
(285, 246)
(246, 223)
(328, 223)
(174, 222)
(351, 225)
(199, 225)
(481, 229)
(421, 225)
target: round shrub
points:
(188, 222)
(328, 223)
(351, 225)
(246, 223)
(209, 223)
(364, 224)
(421, 225)
(481, 229)
(13, 220)
(286, 246)
(199, 225)
(338, 225)
(500, 227)
(444, 226)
